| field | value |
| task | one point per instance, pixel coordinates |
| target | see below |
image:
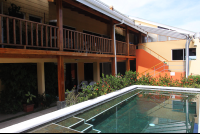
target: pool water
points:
(135, 112)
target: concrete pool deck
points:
(22, 116)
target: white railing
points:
(167, 67)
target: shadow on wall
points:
(146, 61)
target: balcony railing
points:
(132, 50)
(81, 42)
(25, 34)
(121, 48)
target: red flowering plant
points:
(146, 80)
(130, 78)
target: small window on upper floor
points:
(34, 18)
(179, 54)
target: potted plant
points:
(28, 107)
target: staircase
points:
(172, 127)
(79, 125)
(157, 64)
(151, 60)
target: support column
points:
(140, 37)
(96, 71)
(59, 24)
(127, 64)
(127, 41)
(127, 50)
(41, 77)
(61, 81)
(80, 69)
(112, 36)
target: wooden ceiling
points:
(87, 11)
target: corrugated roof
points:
(163, 32)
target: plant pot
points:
(28, 108)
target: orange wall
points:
(177, 75)
(144, 61)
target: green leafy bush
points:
(111, 83)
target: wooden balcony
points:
(25, 34)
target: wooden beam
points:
(112, 35)
(25, 56)
(128, 65)
(85, 8)
(59, 24)
(56, 53)
(140, 37)
(50, 0)
(61, 81)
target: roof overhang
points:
(163, 32)
(104, 9)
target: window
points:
(180, 106)
(179, 54)
(36, 19)
(144, 39)
(162, 38)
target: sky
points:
(184, 14)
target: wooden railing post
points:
(59, 24)
(127, 41)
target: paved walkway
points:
(22, 118)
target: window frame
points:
(183, 53)
(30, 15)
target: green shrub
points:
(111, 83)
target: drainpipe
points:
(187, 55)
(188, 39)
(115, 46)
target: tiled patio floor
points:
(22, 118)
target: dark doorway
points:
(133, 65)
(105, 69)
(121, 68)
(88, 71)
(71, 76)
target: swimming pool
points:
(131, 110)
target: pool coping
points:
(26, 125)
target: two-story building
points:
(78, 36)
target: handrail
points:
(153, 51)
(151, 67)
(11, 17)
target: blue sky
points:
(184, 14)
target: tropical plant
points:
(29, 97)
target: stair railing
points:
(151, 68)
(152, 52)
